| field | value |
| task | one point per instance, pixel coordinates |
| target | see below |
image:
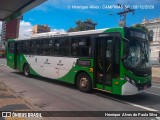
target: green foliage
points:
(139, 26)
(80, 26)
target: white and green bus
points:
(115, 60)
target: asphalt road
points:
(51, 95)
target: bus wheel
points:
(26, 70)
(84, 83)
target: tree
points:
(80, 26)
(71, 29)
(140, 26)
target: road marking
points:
(158, 118)
(156, 86)
(152, 93)
(132, 104)
(140, 106)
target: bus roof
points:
(62, 34)
(58, 34)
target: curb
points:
(156, 79)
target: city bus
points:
(114, 60)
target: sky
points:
(60, 15)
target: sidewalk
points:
(10, 102)
(156, 73)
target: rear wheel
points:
(84, 83)
(26, 70)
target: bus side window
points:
(38, 47)
(22, 47)
(47, 47)
(85, 46)
(32, 47)
(18, 47)
(74, 47)
(81, 46)
(25, 47)
(62, 47)
(11, 47)
(56, 47)
(65, 47)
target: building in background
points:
(40, 29)
(89, 25)
(10, 29)
(154, 28)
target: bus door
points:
(17, 56)
(11, 55)
(104, 59)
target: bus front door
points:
(103, 57)
(17, 56)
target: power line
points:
(124, 12)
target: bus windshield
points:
(138, 55)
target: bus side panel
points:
(71, 75)
(23, 61)
(65, 71)
(117, 86)
(10, 60)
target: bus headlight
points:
(127, 78)
(130, 80)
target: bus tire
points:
(26, 70)
(84, 82)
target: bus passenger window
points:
(47, 47)
(11, 47)
(25, 47)
(35, 47)
(81, 46)
(56, 47)
(62, 47)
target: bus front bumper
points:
(130, 89)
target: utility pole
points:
(124, 12)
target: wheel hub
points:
(27, 71)
(84, 82)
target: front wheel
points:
(84, 83)
(26, 70)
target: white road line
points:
(156, 86)
(158, 118)
(133, 104)
(152, 93)
(142, 107)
